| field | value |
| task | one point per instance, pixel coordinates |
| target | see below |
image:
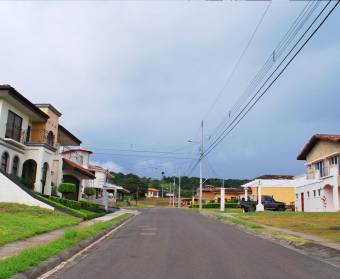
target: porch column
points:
(336, 197)
(105, 199)
(259, 206)
(222, 199)
(246, 193)
(115, 195)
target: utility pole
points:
(201, 168)
(222, 201)
(170, 194)
(173, 194)
(179, 190)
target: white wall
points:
(315, 204)
(41, 155)
(12, 193)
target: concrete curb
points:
(66, 254)
(309, 248)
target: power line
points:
(232, 73)
(224, 134)
(232, 126)
(297, 25)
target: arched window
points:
(15, 165)
(50, 138)
(4, 161)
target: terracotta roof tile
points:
(78, 168)
(313, 140)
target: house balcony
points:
(30, 137)
(320, 174)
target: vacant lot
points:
(21, 221)
(325, 225)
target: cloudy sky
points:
(134, 79)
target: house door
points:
(302, 202)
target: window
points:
(308, 194)
(319, 192)
(320, 167)
(15, 165)
(50, 138)
(297, 196)
(314, 193)
(13, 126)
(333, 160)
(4, 161)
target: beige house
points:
(318, 189)
(152, 193)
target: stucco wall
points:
(10, 192)
(52, 123)
(282, 194)
(322, 149)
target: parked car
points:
(268, 202)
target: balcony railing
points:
(30, 136)
(319, 173)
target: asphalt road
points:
(172, 243)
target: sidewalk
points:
(13, 248)
(312, 238)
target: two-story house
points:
(318, 189)
(75, 168)
(31, 141)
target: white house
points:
(318, 189)
(152, 193)
(31, 141)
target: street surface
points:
(166, 243)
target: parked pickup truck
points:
(268, 202)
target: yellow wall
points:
(282, 194)
(322, 149)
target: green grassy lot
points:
(21, 221)
(33, 256)
(319, 224)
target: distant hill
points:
(188, 184)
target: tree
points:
(136, 185)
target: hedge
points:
(26, 182)
(89, 205)
(69, 203)
(67, 188)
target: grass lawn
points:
(21, 221)
(319, 224)
(33, 256)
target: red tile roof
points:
(313, 140)
(153, 190)
(74, 166)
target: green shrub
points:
(89, 191)
(67, 188)
(69, 203)
(26, 182)
(89, 205)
